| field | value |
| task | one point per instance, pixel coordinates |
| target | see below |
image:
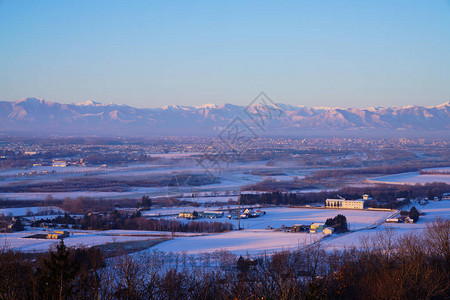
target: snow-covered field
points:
(256, 238)
(440, 170)
(276, 217)
(18, 240)
(432, 211)
(253, 242)
(73, 195)
(411, 178)
(24, 211)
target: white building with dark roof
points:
(347, 204)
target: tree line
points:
(117, 220)
(383, 196)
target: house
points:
(328, 230)
(57, 235)
(188, 215)
(409, 220)
(59, 163)
(316, 227)
(251, 213)
(392, 220)
(211, 214)
(299, 228)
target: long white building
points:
(348, 204)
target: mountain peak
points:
(97, 118)
(207, 105)
(443, 104)
(32, 100)
(89, 103)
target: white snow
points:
(24, 211)
(17, 240)
(242, 242)
(256, 238)
(276, 217)
(411, 178)
(432, 211)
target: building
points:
(347, 204)
(342, 203)
(328, 230)
(409, 220)
(316, 227)
(57, 235)
(59, 163)
(211, 214)
(299, 228)
(188, 215)
(392, 220)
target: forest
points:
(415, 266)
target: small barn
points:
(57, 235)
(328, 230)
(299, 228)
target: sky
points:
(156, 53)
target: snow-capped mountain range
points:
(35, 116)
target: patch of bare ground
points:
(120, 248)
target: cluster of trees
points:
(61, 274)
(146, 203)
(383, 196)
(83, 205)
(116, 220)
(410, 267)
(5, 221)
(339, 223)
(270, 184)
(274, 198)
(413, 213)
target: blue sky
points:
(154, 53)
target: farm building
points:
(316, 227)
(299, 228)
(188, 215)
(57, 235)
(392, 220)
(328, 230)
(211, 214)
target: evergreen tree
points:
(414, 214)
(339, 223)
(18, 226)
(58, 273)
(146, 202)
